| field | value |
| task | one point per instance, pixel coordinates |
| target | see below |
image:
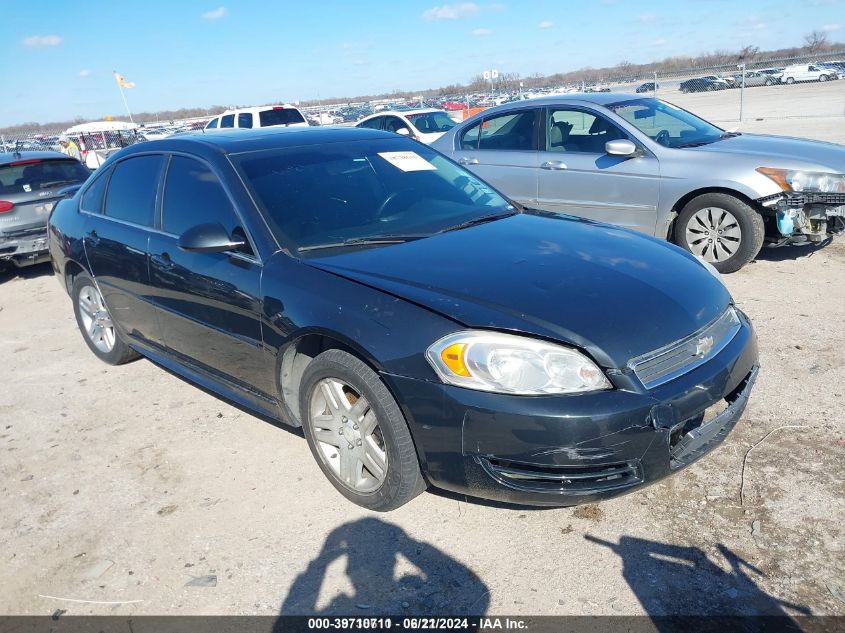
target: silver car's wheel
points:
(713, 234)
(96, 322)
(347, 433)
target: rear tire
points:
(365, 451)
(822, 77)
(720, 229)
(790, 80)
(95, 324)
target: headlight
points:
(507, 363)
(812, 181)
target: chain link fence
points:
(800, 96)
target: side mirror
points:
(208, 238)
(620, 147)
(403, 131)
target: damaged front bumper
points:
(567, 450)
(803, 217)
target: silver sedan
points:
(648, 165)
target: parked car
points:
(649, 86)
(648, 165)
(703, 84)
(30, 185)
(260, 116)
(806, 72)
(426, 125)
(341, 280)
(756, 78)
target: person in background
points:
(69, 147)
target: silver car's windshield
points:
(667, 124)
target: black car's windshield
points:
(428, 122)
(364, 193)
(665, 123)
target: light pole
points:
(491, 76)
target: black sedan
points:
(422, 329)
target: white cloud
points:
(84, 73)
(658, 42)
(40, 41)
(546, 24)
(452, 11)
(482, 32)
(215, 14)
(829, 28)
(647, 18)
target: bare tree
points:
(815, 41)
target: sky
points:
(57, 56)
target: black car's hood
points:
(613, 292)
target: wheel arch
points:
(299, 351)
(688, 197)
(71, 271)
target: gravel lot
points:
(127, 485)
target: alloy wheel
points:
(96, 320)
(347, 434)
(713, 234)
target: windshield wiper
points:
(730, 134)
(480, 220)
(366, 241)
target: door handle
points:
(162, 261)
(468, 161)
(93, 237)
(554, 165)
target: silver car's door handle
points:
(468, 161)
(553, 164)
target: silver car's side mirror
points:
(620, 147)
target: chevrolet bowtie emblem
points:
(703, 346)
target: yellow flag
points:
(121, 81)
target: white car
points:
(259, 116)
(807, 72)
(425, 125)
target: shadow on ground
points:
(8, 272)
(671, 580)
(388, 573)
(793, 252)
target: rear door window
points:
(132, 189)
(245, 119)
(227, 120)
(373, 124)
(280, 116)
(92, 199)
(510, 131)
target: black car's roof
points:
(241, 141)
(14, 157)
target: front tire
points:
(357, 433)
(790, 80)
(720, 229)
(822, 77)
(95, 324)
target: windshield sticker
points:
(407, 161)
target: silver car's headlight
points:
(508, 363)
(810, 181)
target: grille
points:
(661, 366)
(572, 479)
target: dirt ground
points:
(128, 491)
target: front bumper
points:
(25, 249)
(566, 450)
